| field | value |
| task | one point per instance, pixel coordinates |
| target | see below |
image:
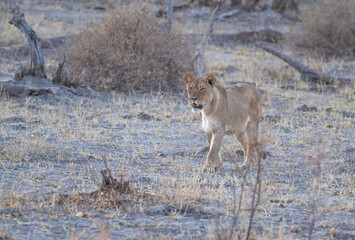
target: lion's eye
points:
(202, 89)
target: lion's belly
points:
(239, 125)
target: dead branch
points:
(61, 76)
(111, 185)
(308, 74)
(37, 60)
(108, 170)
(206, 35)
(228, 14)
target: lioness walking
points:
(233, 110)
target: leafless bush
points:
(328, 27)
(127, 49)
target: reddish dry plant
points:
(320, 152)
(128, 50)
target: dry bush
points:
(128, 50)
(328, 27)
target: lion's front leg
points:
(214, 161)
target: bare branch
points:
(206, 35)
(170, 12)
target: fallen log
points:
(37, 60)
(265, 35)
(308, 74)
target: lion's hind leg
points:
(252, 132)
(241, 138)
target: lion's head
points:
(199, 90)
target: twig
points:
(108, 169)
(206, 35)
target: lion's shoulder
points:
(246, 89)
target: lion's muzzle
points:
(197, 106)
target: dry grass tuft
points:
(328, 27)
(128, 50)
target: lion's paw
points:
(212, 167)
(244, 167)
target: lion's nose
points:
(193, 99)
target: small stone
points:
(79, 214)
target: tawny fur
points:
(233, 110)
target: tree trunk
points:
(37, 60)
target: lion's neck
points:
(211, 107)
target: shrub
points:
(128, 50)
(328, 27)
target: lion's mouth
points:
(196, 106)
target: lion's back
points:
(248, 93)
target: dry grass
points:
(328, 28)
(90, 128)
(128, 50)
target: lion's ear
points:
(188, 78)
(210, 79)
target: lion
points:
(225, 111)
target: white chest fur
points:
(208, 124)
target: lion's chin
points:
(197, 108)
